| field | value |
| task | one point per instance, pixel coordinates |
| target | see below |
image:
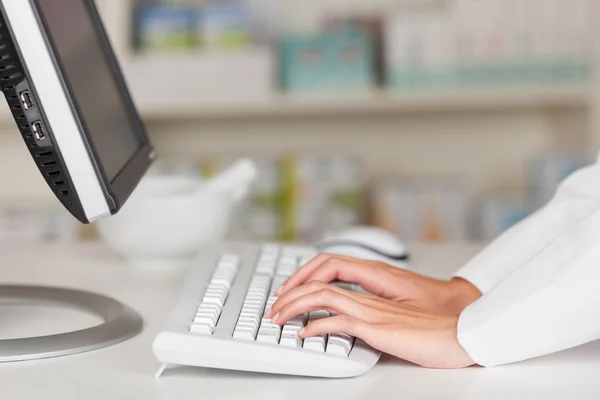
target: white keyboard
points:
(219, 320)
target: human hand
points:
(387, 282)
(418, 336)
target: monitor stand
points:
(120, 323)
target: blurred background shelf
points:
(171, 106)
(473, 122)
(565, 97)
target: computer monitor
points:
(71, 104)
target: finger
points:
(370, 275)
(325, 299)
(338, 324)
(300, 291)
(300, 276)
(305, 271)
(367, 299)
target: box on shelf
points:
(547, 171)
(161, 27)
(497, 213)
(321, 193)
(295, 198)
(422, 211)
(215, 80)
(372, 27)
(223, 26)
(331, 61)
(36, 224)
(347, 181)
(419, 50)
(494, 42)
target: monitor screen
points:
(90, 79)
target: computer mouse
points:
(366, 243)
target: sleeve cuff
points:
(476, 352)
(476, 278)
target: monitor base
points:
(120, 323)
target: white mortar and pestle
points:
(168, 219)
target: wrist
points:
(456, 352)
(460, 294)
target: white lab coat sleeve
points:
(541, 281)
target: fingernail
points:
(301, 332)
(275, 318)
(268, 312)
(279, 291)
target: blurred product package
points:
(474, 42)
(337, 60)
(321, 193)
(259, 218)
(348, 185)
(422, 210)
(372, 27)
(36, 224)
(305, 193)
(419, 49)
(295, 198)
(499, 212)
(163, 27)
(269, 20)
(548, 170)
(188, 25)
(223, 26)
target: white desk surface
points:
(126, 371)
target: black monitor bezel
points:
(117, 190)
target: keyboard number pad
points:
(215, 296)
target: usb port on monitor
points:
(38, 130)
(27, 100)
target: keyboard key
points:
(252, 309)
(267, 335)
(214, 299)
(299, 320)
(252, 315)
(244, 334)
(248, 322)
(221, 281)
(205, 320)
(210, 313)
(290, 339)
(217, 290)
(214, 295)
(320, 314)
(204, 307)
(267, 268)
(316, 343)
(339, 344)
(275, 328)
(202, 329)
(291, 328)
(249, 325)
